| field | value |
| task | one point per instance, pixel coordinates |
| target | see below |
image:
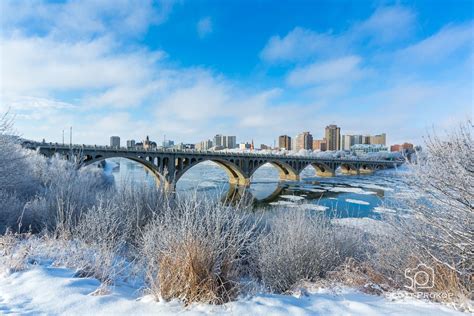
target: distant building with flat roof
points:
(304, 141)
(284, 142)
(333, 137)
(320, 144)
(115, 141)
(131, 143)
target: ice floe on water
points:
(351, 190)
(381, 209)
(306, 206)
(314, 207)
(292, 197)
(314, 190)
(357, 202)
(375, 187)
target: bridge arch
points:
(285, 171)
(349, 169)
(366, 168)
(148, 164)
(323, 169)
(236, 175)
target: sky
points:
(187, 70)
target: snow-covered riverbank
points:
(44, 290)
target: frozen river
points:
(341, 196)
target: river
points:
(341, 196)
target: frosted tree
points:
(442, 223)
(12, 157)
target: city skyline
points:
(187, 69)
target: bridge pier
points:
(352, 172)
(289, 176)
(325, 174)
(366, 171)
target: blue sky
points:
(254, 69)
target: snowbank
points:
(54, 291)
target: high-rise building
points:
(229, 142)
(131, 143)
(114, 141)
(304, 141)
(320, 144)
(333, 137)
(284, 142)
(347, 142)
(219, 140)
(168, 143)
(366, 140)
(378, 139)
(204, 145)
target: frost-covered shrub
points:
(301, 247)
(195, 249)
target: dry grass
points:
(189, 272)
(195, 251)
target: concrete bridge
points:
(170, 165)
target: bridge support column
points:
(245, 182)
(289, 176)
(325, 174)
(350, 171)
(366, 171)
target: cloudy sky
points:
(255, 69)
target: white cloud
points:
(344, 69)
(449, 40)
(300, 44)
(204, 27)
(385, 25)
(84, 18)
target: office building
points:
(131, 143)
(204, 145)
(320, 144)
(304, 141)
(333, 137)
(114, 141)
(284, 142)
(378, 139)
(245, 146)
(347, 141)
(168, 143)
(229, 142)
(218, 141)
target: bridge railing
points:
(83, 147)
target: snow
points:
(366, 224)
(54, 291)
(357, 202)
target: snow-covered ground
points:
(44, 290)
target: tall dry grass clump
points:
(196, 250)
(301, 246)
